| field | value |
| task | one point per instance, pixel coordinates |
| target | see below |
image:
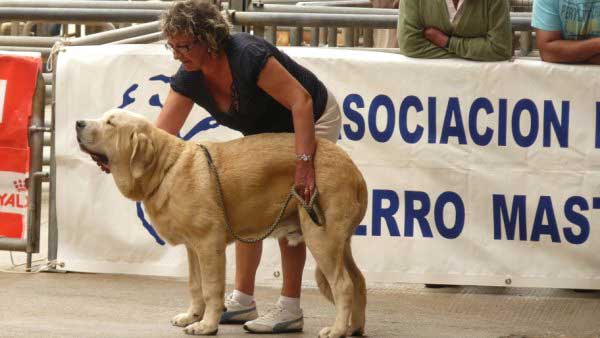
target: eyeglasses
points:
(181, 48)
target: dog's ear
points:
(142, 154)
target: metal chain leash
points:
(311, 208)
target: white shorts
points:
(329, 124)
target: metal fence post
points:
(296, 36)
(332, 37)
(36, 143)
(238, 5)
(52, 217)
(525, 43)
(349, 37)
(272, 34)
(368, 37)
(314, 37)
(259, 31)
(323, 35)
(14, 28)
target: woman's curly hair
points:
(199, 19)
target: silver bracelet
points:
(304, 157)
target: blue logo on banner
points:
(154, 101)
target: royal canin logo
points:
(20, 185)
(15, 200)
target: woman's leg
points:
(247, 258)
(240, 305)
(287, 315)
(292, 264)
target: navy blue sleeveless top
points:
(252, 111)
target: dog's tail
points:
(358, 279)
(362, 200)
(358, 317)
(323, 284)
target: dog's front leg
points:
(212, 269)
(196, 309)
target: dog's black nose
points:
(80, 124)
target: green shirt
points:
(483, 32)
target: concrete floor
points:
(92, 305)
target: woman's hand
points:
(102, 166)
(305, 179)
(436, 36)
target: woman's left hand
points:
(436, 36)
(305, 179)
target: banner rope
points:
(56, 48)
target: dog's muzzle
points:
(79, 127)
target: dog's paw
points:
(328, 332)
(201, 328)
(355, 331)
(185, 319)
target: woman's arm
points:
(176, 109)
(276, 81)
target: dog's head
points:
(121, 141)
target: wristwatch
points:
(304, 157)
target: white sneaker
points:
(278, 320)
(236, 313)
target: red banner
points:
(18, 77)
(11, 225)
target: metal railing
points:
(515, 5)
(356, 24)
(324, 22)
(521, 5)
(336, 3)
(313, 19)
(152, 5)
(78, 15)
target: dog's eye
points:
(109, 122)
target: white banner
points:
(478, 173)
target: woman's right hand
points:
(102, 166)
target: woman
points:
(247, 84)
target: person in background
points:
(249, 85)
(470, 29)
(567, 31)
(385, 38)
